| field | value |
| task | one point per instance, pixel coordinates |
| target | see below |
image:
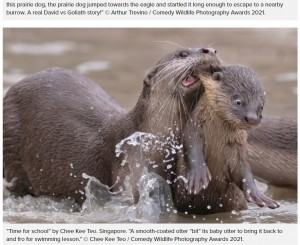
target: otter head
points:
(176, 75)
(237, 96)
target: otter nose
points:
(252, 118)
(209, 50)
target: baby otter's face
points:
(239, 96)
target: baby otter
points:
(59, 125)
(219, 176)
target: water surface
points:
(118, 59)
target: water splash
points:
(102, 205)
(143, 142)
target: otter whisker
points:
(172, 69)
(174, 110)
(167, 101)
(186, 111)
(178, 38)
(196, 98)
(162, 108)
(169, 42)
(158, 117)
(171, 94)
(180, 113)
(174, 64)
(184, 74)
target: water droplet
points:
(71, 174)
(244, 180)
(208, 207)
(123, 163)
(71, 165)
(233, 212)
(221, 205)
(41, 169)
(194, 216)
(175, 211)
(92, 108)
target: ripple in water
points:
(101, 204)
(93, 65)
(38, 49)
(155, 203)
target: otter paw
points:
(260, 199)
(198, 179)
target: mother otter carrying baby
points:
(59, 125)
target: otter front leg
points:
(243, 177)
(198, 174)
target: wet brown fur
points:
(59, 125)
(225, 153)
(272, 151)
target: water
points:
(103, 206)
(118, 60)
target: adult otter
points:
(59, 125)
(219, 176)
(272, 151)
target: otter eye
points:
(261, 109)
(184, 54)
(238, 102)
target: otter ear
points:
(217, 76)
(148, 78)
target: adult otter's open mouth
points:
(189, 80)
